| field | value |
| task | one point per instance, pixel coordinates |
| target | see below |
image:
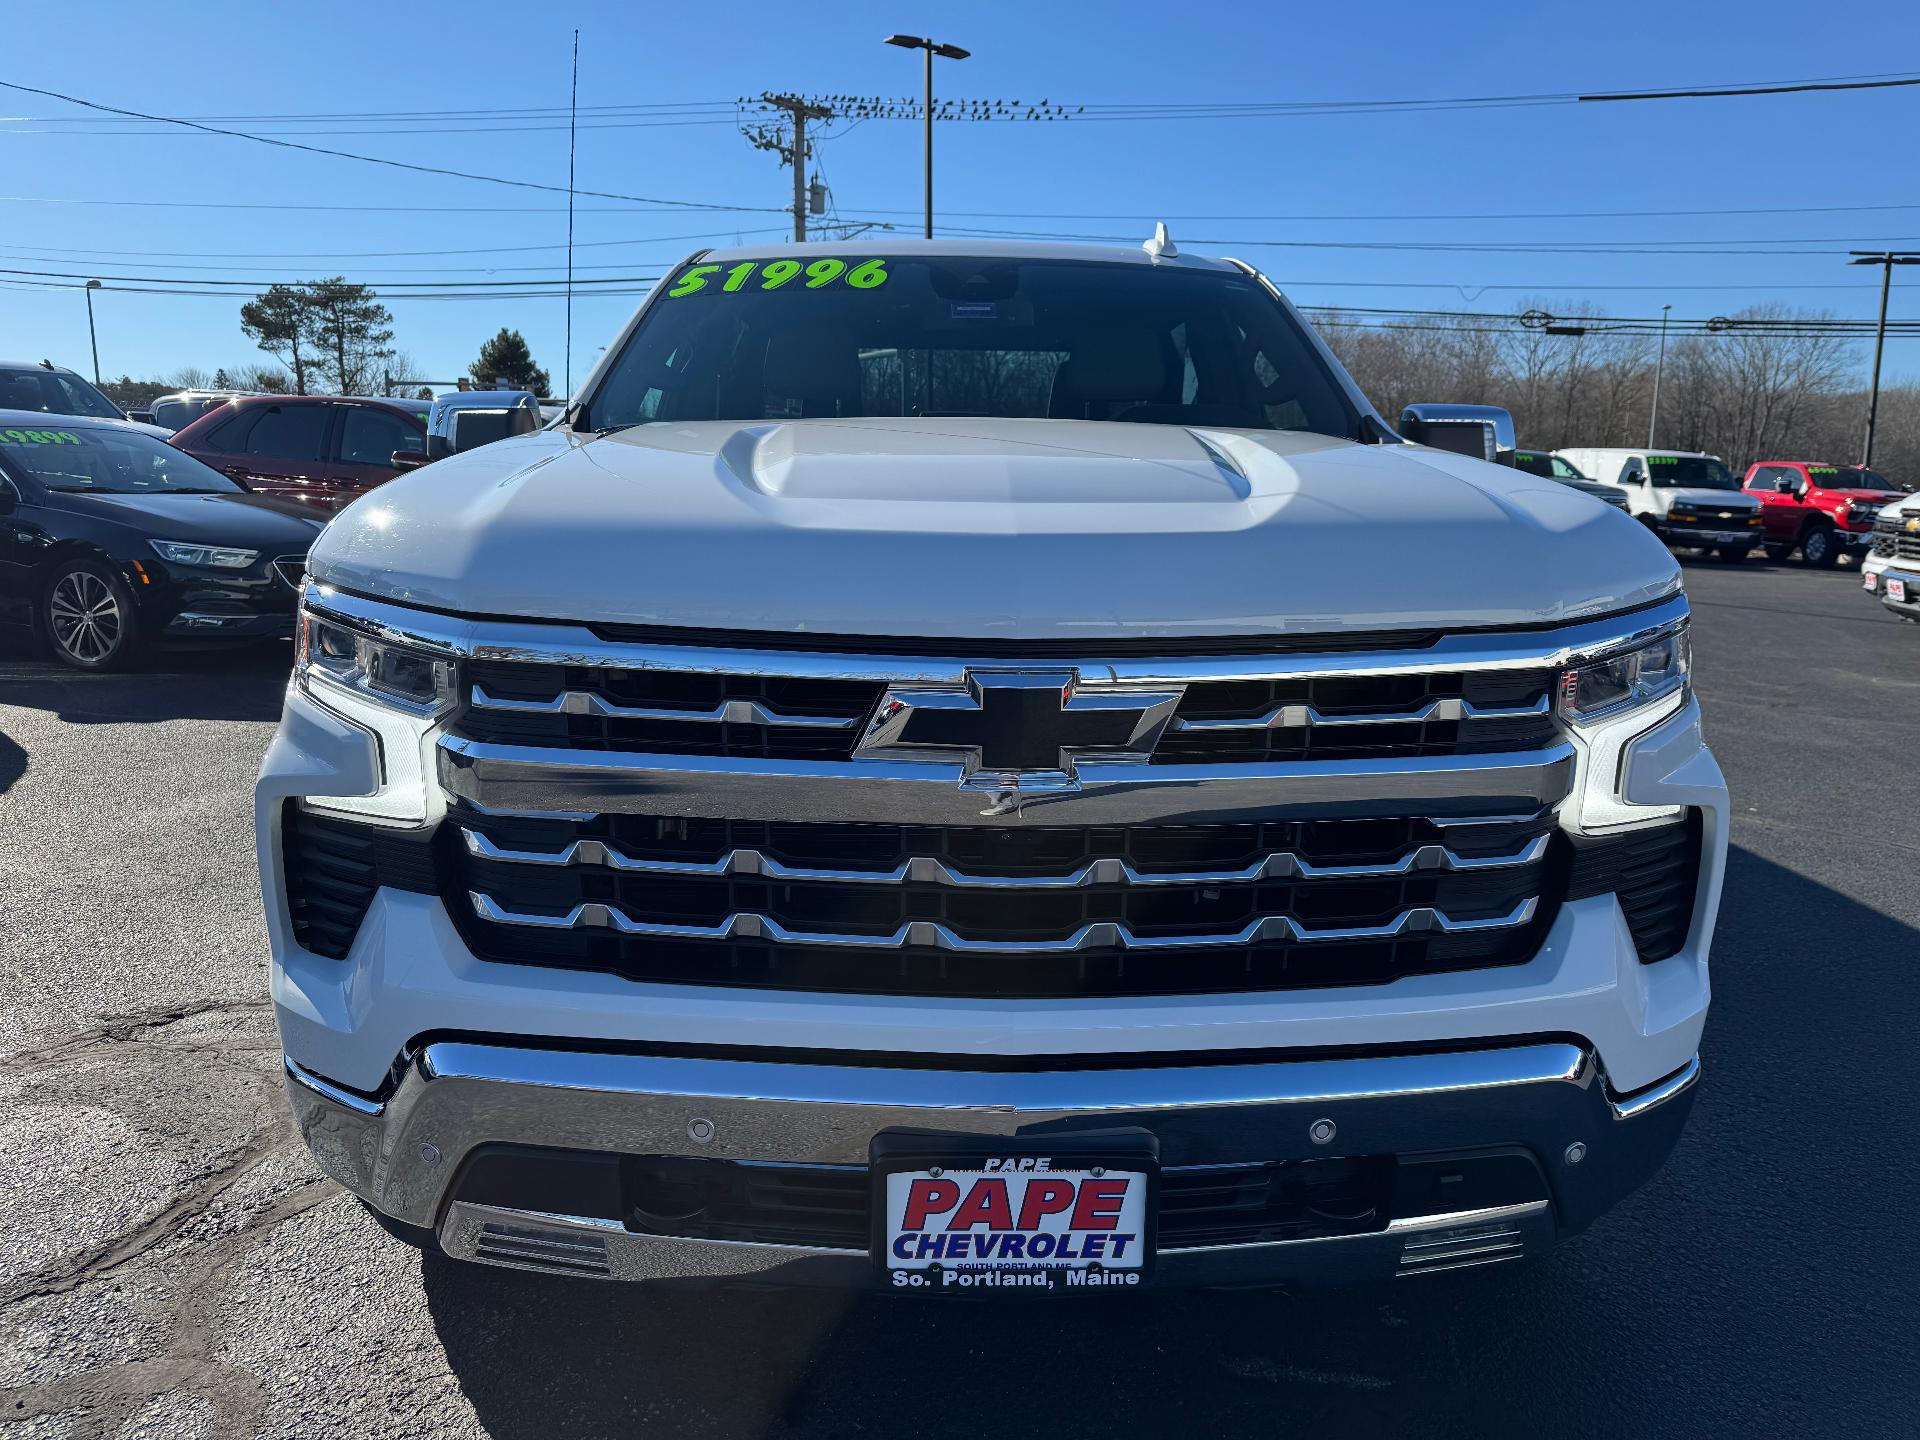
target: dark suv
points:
(323, 450)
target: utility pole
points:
(1659, 373)
(930, 49)
(1886, 260)
(95, 338)
(799, 111)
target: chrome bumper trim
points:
(403, 1155)
(932, 934)
(536, 778)
(1659, 1093)
(927, 870)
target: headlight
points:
(340, 655)
(1632, 678)
(218, 557)
(395, 691)
(1610, 702)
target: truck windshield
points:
(1692, 472)
(89, 459)
(854, 335)
(1847, 477)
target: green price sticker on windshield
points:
(779, 274)
(1663, 459)
(38, 437)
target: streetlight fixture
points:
(930, 49)
(1659, 373)
(93, 339)
(1886, 259)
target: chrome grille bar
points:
(926, 870)
(538, 778)
(929, 934)
(1292, 717)
(727, 712)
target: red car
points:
(324, 450)
(1822, 510)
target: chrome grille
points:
(1019, 911)
(1893, 541)
(764, 818)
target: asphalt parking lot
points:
(171, 1264)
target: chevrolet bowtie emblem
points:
(1015, 730)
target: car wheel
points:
(1779, 552)
(87, 616)
(1818, 549)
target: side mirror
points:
(1483, 431)
(408, 459)
(1786, 485)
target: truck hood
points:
(982, 528)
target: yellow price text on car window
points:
(38, 437)
(779, 274)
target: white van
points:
(1688, 498)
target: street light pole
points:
(1886, 260)
(1659, 373)
(931, 49)
(91, 335)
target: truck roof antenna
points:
(1161, 246)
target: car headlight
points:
(396, 691)
(1628, 680)
(217, 557)
(1610, 701)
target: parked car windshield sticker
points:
(39, 437)
(773, 274)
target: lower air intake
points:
(554, 1252)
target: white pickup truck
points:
(1688, 498)
(972, 766)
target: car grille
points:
(290, 570)
(333, 867)
(1716, 518)
(985, 911)
(1653, 873)
(783, 718)
(1893, 541)
(724, 816)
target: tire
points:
(1778, 552)
(87, 617)
(1818, 548)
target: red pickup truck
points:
(1822, 510)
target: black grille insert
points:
(1016, 913)
(1654, 874)
(332, 868)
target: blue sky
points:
(188, 59)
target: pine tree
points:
(506, 362)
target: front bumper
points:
(1874, 574)
(407, 1153)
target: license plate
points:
(960, 1215)
(1896, 589)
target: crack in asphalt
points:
(102, 1399)
(128, 1026)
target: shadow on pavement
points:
(237, 684)
(1761, 1284)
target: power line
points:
(373, 159)
(1719, 92)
